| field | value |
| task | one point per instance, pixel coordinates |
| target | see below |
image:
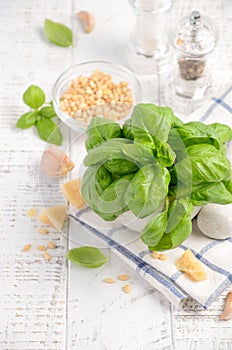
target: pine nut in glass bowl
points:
(95, 88)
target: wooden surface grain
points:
(50, 305)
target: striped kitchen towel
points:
(215, 255)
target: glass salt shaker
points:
(149, 50)
(193, 40)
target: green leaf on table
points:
(49, 131)
(47, 112)
(34, 97)
(27, 120)
(87, 256)
(58, 33)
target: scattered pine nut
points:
(41, 247)
(32, 212)
(51, 245)
(179, 41)
(155, 255)
(162, 256)
(126, 289)
(47, 256)
(109, 280)
(43, 231)
(123, 277)
(27, 247)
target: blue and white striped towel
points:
(215, 255)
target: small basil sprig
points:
(58, 33)
(34, 98)
(87, 256)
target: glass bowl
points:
(118, 74)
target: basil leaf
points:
(90, 257)
(34, 97)
(94, 181)
(120, 166)
(47, 112)
(207, 165)
(154, 229)
(27, 120)
(191, 134)
(100, 130)
(115, 198)
(49, 131)
(211, 193)
(151, 123)
(58, 33)
(127, 130)
(149, 189)
(223, 131)
(119, 149)
(176, 211)
(178, 235)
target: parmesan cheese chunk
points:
(54, 216)
(189, 264)
(72, 193)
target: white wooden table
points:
(47, 305)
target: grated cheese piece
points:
(54, 216)
(72, 193)
(189, 264)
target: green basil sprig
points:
(58, 33)
(34, 97)
(87, 256)
(156, 165)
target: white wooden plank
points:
(33, 291)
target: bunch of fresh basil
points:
(156, 164)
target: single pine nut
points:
(126, 289)
(32, 212)
(162, 257)
(43, 231)
(51, 245)
(27, 247)
(109, 280)
(41, 247)
(47, 256)
(123, 277)
(155, 255)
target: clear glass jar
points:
(193, 40)
(149, 48)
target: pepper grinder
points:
(193, 40)
(148, 50)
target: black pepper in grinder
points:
(193, 40)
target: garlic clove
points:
(227, 312)
(55, 162)
(87, 21)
